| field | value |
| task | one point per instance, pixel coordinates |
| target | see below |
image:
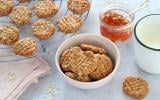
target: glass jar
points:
(116, 22)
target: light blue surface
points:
(112, 90)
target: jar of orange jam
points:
(116, 22)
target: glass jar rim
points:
(127, 10)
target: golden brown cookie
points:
(43, 29)
(83, 78)
(135, 87)
(78, 6)
(104, 67)
(6, 7)
(95, 49)
(23, 1)
(25, 47)
(20, 15)
(67, 56)
(69, 24)
(44, 9)
(8, 35)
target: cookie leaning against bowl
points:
(6, 7)
(69, 24)
(135, 87)
(44, 9)
(78, 6)
(25, 47)
(20, 15)
(43, 29)
(24, 1)
(104, 67)
(9, 34)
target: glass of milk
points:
(147, 43)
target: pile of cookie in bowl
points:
(42, 29)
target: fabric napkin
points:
(17, 76)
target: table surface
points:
(111, 90)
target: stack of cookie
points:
(86, 63)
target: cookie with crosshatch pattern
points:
(20, 15)
(9, 34)
(78, 6)
(6, 7)
(43, 29)
(69, 24)
(25, 47)
(135, 87)
(46, 8)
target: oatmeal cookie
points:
(9, 34)
(104, 67)
(95, 49)
(78, 6)
(44, 9)
(20, 15)
(135, 87)
(83, 78)
(24, 1)
(25, 47)
(43, 29)
(69, 24)
(6, 7)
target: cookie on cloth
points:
(24, 1)
(43, 29)
(44, 9)
(135, 87)
(9, 34)
(20, 15)
(69, 24)
(6, 7)
(95, 49)
(25, 47)
(78, 6)
(104, 67)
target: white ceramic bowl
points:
(93, 39)
(147, 43)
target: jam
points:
(115, 26)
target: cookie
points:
(69, 24)
(77, 61)
(104, 67)
(78, 6)
(135, 87)
(74, 76)
(67, 56)
(43, 29)
(8, 35)
(25, 47)
(24, 1)
(44, 9)
(6, 7)
(95, 49)
(20, 15)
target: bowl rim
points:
(94, 82)
(135, 34)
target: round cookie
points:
(20, 15)
(6, 7)
(69, 24)
(135, 87)
(24, 1)
(44, 9)
(8, 35)
(78, 6)
(43, 29)
(25, 47)
(104, 67)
